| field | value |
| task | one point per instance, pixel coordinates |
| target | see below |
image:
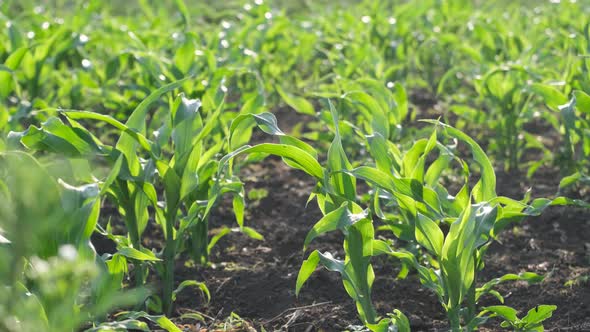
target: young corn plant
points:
(574, 125)
(336, 197)
(533, 321)
(52, 279)
(576, 119)
(128, 184)
(453, 232)
(503, 88)
(178, 165)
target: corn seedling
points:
(533, 321)
(180, 160)
(575, 115)
(454, 231)
(52, 279)
(336, 196)
(507, 102)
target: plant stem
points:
(200, 241)
(454, 319)
(471, 302)
(132, 228)
(514, 143)
(135, 241)
(169, 256)
(367, 305)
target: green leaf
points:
(290, 140)
(193, 316)
(238, 207)
(401, 101)
(12, 63)
(121, 326)
(396, 186)
(503, 311)
(223, 232)
(379, 150)
(137, 255)
(486, 288)
(112, 176)
(76, 115)
(418, 169)
(552, 97)
(467, 233)
(371, 110)
(582, 101)
(172, 186)
(192, 283)
(252, 233)
(254, 104)
(307, 268)
(570, 180)
(58, 138)
(429, 235)
(267, 122)
(309, 265)
(184, 11)
(299, 104)
(186, 126)
(485, 189)
(136, 122)
(190, 175)
(378, 177)
(160, 320)
(401, 321)
(540, 204)
(411, 159)
(343, 183)
(184, 57)
(303, 160)
(359, 275)
(436, 168)
(538, 314)
(340, 218)
(382, 326)
(82, 203)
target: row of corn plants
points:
(169, 179)
(410, 198)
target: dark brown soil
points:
(256, 279)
